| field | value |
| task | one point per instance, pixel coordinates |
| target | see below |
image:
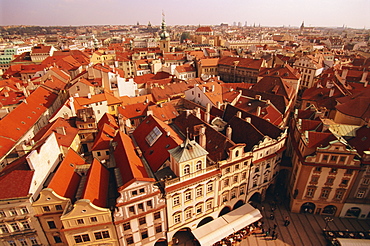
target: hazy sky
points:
(351, 13)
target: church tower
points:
(165, 37)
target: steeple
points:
(164, 34)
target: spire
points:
(164, 34)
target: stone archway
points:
(308, 208)
(205, 221)
(255, 199)
(238, 204)
(353, 212)
(329, 210)
(224, 211)
(184, 236)
(161, 242)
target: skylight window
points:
(153, 136)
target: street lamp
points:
(327, 220)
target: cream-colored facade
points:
(87, 224)
(48, 209)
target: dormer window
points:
(186, 169)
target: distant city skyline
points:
(318, 13)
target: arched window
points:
(187, 169)
(237, 153)
(198, 166)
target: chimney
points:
(207, 115)
(344, 73)
(149, 112)
(364, 77)
(197, 113)
(249, 120)
(72, 106)
(89, 95)
(213, 88)
(6, 93)
(202, 136)
(61, 130)
(331, 92)
(229, 132)
(204, 89)
(239, 114)
(258, 113)
(219, 105)
(258, 97)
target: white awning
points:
(353, 242)
(227, 224)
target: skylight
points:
(153, 136)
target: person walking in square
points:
(287, 221)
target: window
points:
(198, 166)
(199, 192)
(126, 226)
(142, 221)
(187, 196)
(131, 210)
(15, 226)
(226, 182)
(82, 238)
(344, 182)
(318, 169)
(235, 178)
(25, 225)
(13, 212)
(129, 239)
(80, 221)
(141, 190)
(314, 179)
(176, 200)
(325, 157)
(244, 175)
(24, 210)
(349, 171)
(187, 169)
(153, 136)
(4, 229)
(51, 224)
(149, 204)
(144, 234)
(177, 218)
(339, 194)
(158, 229)
(101, 235)
(140, 206)
(233, 194)
(188, 213)
(209, 187)
(93, 219)
(199, 208)
(324, 193)
(23, 242)
(58, 207)
(209, 204)
(227, 170)
(134, 193)
(46, 209)
(57, 239)
(366, 181)
(241, 190)
(257, 169)
(157, 215)
(334, 170)
(360, 194)
(342, 159)
(237, 167)
(330, 181)
(12, 243)
(310, 192)
(2, 213)
(34, 241)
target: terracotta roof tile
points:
(16, 184)
(65, 180)
(96, 189)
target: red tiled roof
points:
(156, 154)
(21, 119)
(126, 100)
(103, 138)
(204, 29)
(185, 68)
(128, 162)
(16, 184)
(316, 139)
(133, 110)
(109, 120)
(65, 180)
(241, 62)
(96, 189)
(164, 111)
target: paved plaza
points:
(304, 229)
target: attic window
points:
(23, 122)
(71, 165)
(153, 136)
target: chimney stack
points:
(202, 136)
(249, 120)
(239, 114)
(229, 132)
(259, 111)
